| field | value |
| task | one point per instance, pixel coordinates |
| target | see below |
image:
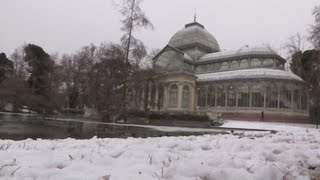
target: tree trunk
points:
(126, 67)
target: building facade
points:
(249, 83)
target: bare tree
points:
(19, 64)
(295, 44)
(133, 19)
(315, 28)
(77, 73)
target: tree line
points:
(306, 62)
(95, 76)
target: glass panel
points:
(244, 64)
(257, 96)
(296, 99)
(267, 63)
(243, 96)
(168, 60)
(202, 96)
(187, 67)
(234, 65)
(231, 96)
(272, 97)
(224, 66)
(211, 96)
(285, 98)
(304, 99)
(279, 64)
(174, 96)
(221, 96)
(255, 63)
(216, 66)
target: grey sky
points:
(64, 26)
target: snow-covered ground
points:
(266, 125)
(288, 154)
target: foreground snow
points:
(287, 154)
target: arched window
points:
(244, 64)
(272, 96)
(255, 63)
(267, 63)
(257, 96)
(279, 64)
(185, 97)
(211, 96)
(216, 66)
(224, 66)
(234, 65)
(174, 96)
(243, 96)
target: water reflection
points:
(22, 126)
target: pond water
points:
(23, 126)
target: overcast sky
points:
(64, 26)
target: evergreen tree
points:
(40, 67)
(307, 66)
(6, 67)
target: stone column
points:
(292, 94)
(165, 96)
(265, 99)
(179, 99)
(278, 98)
(156, 99)
(250, 97)
(149, 96)
(236, 100)
(142, 98)
(193, 97)
(300, 103)
(215, 97)
(225, 90)
(206, 89)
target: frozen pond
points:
(23, 126)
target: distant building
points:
(249, 83)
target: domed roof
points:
(194, 33)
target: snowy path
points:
(266, 125)
(250, 155)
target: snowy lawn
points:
(288, 154)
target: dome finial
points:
(195, 15)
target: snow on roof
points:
(187, 57)
(241, 52)
(194, 33)
(249, 74)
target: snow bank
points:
(267, 125)
(245, 155)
